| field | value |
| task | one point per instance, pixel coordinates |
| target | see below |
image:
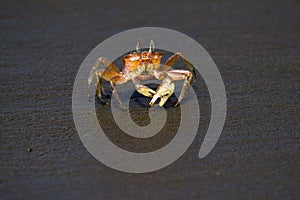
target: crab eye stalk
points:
(138, 46)
(151, 48)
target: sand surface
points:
(256, 48)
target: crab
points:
(140, 66)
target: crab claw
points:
(144, 90)
(164, 91)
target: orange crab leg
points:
(120, 79)
(107, 74)
(170, 62)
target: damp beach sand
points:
(255, 45)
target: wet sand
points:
(256, 48)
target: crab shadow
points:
(139, 111)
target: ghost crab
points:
(139, 66)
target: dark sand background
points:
(255, 45)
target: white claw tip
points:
(151, 48)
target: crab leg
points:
(100, 74)
(117, 80)
(170, 62)
(185, 75)
(99, 87)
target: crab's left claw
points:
(164, 91)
